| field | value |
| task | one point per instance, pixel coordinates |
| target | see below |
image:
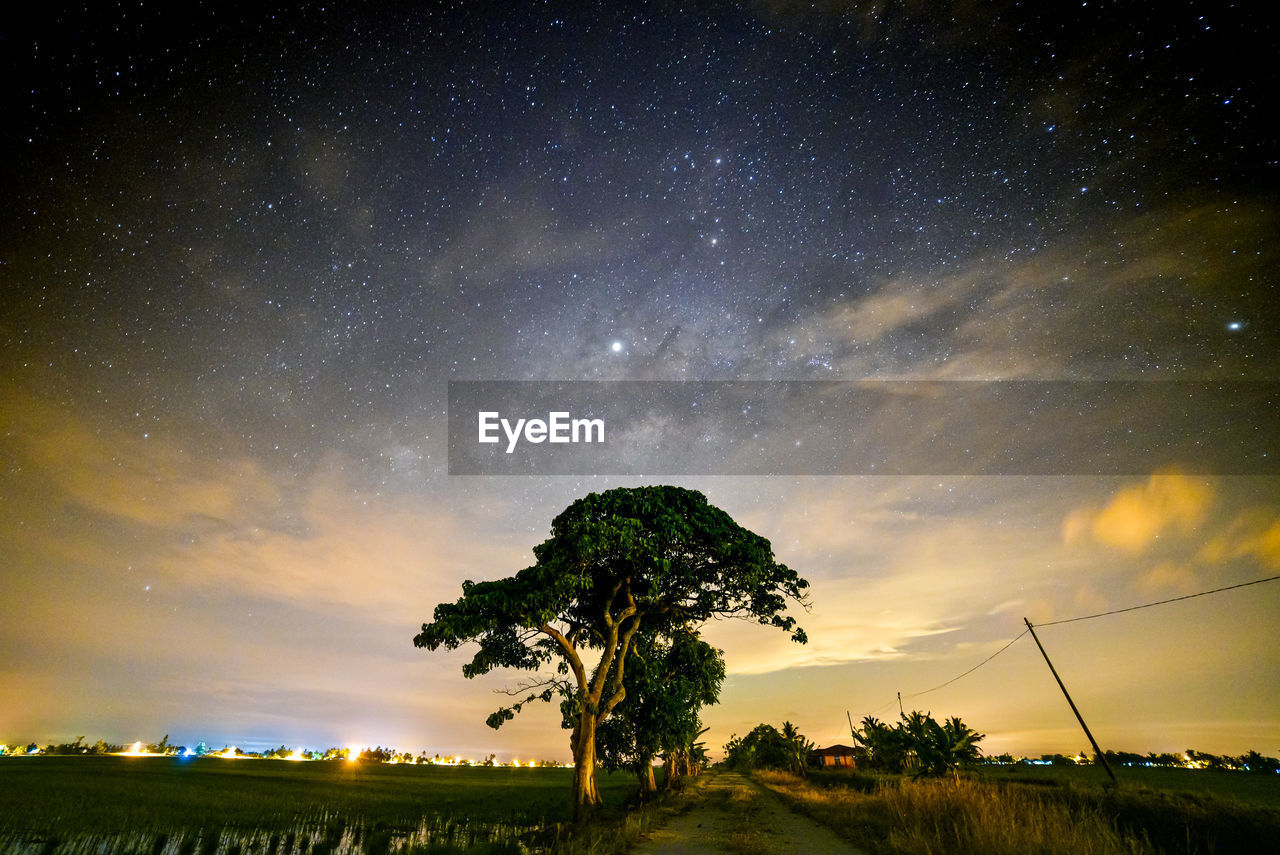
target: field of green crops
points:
(214, 806)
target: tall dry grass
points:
(956, 817)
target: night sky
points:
(244, 249)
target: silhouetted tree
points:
(883, 746)
(918, 742)
(651, 558)
(765, 747)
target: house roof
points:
(834, 751)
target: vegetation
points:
(651, 562)
(1250, 761)
(119, 804)
(667, 684)
(917, 744)
(1248, 789)
(79, 747)
(897, 815)
(766, 747)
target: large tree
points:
(658, 558)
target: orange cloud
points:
(1166, 576)
(1253, 534)
(1136, 517)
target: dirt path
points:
(730, 814)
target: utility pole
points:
(900, 712)
(1096, 750)
(853, 733)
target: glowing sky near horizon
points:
(246, 246)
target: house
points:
(833, 756)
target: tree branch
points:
(570, 653)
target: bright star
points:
(616, 347)
(1235, 325)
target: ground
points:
(730, 814)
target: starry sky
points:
(246, 247)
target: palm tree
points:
(962, 742)
(798, 746)
(941, 748)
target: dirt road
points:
(729, 814)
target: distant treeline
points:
(1251, 761)
(77, 747)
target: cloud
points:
(1136, 517)
(391, 556)
(894, 576)
(1064, 312)
(129, 476)
(1169, 576)
(1252, 534)
(1180, 534)
(224, 523)
(511, 235)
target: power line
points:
(1086, 617)
(971, 670)
(1159, 602)
(953, 679)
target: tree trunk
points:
(648, 786)
(672, 778)
(585, 794)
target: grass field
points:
(1261, 790)
(64, 804)
(1044, 810)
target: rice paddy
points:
(211, 806)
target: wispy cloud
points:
(129, 475)
(1074, 309)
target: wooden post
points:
(1096, 750)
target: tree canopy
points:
(765, 747)
(659, 559)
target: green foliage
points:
(646, 563)
(881, 746)
(918, 743)
(667, 683)
(766, 747)
(123, 794)
(680, 559)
